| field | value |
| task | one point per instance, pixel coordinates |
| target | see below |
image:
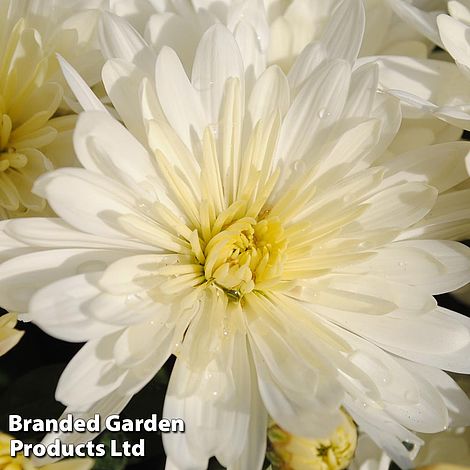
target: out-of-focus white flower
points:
(20, 462)
(258, 230)
(32, 138)
(9, 337)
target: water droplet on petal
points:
(403, 265)
(133, 298)
(323, 113)
(214, 129)
(299, 166)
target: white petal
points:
(10, 247)
(317, 106)
(440, 165)
(107, 406)
(454, 35)
(423, 21)
(283, 386)
(442, 266)
(398, 207)
(362, 91)
(349, 19)
(412, 401)
(312, 56)
(214, 403)
(455, 399)
(387, 433)
(448, 219)
(119, 40)
(22, 276)
(104, 146)
(253, 58)
(253, 454)
(85, 96)
(55, 233)
(90, 375)
(440, 338)
(60, 309)
(217, 59)
(123, 81)
(139, 342)
(270, 95)
(179, 100)
(88, 201)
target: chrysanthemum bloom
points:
(278, 33)
(9, 337)
(288, 452)
(20, 462)
(266, 239)
(283, 32)
(32, 139)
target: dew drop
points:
(402, 265)
(144, 205)
(323, 113)
(214, 129)
(133, 298)
(299, 166)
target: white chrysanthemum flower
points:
(279, 38)
(32, 138)
(259, 231)
(287, 28)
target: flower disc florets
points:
(245, 255)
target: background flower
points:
(33, 137)
(9, 337)
(21, 462)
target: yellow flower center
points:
(28, 101)
(246, 254)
